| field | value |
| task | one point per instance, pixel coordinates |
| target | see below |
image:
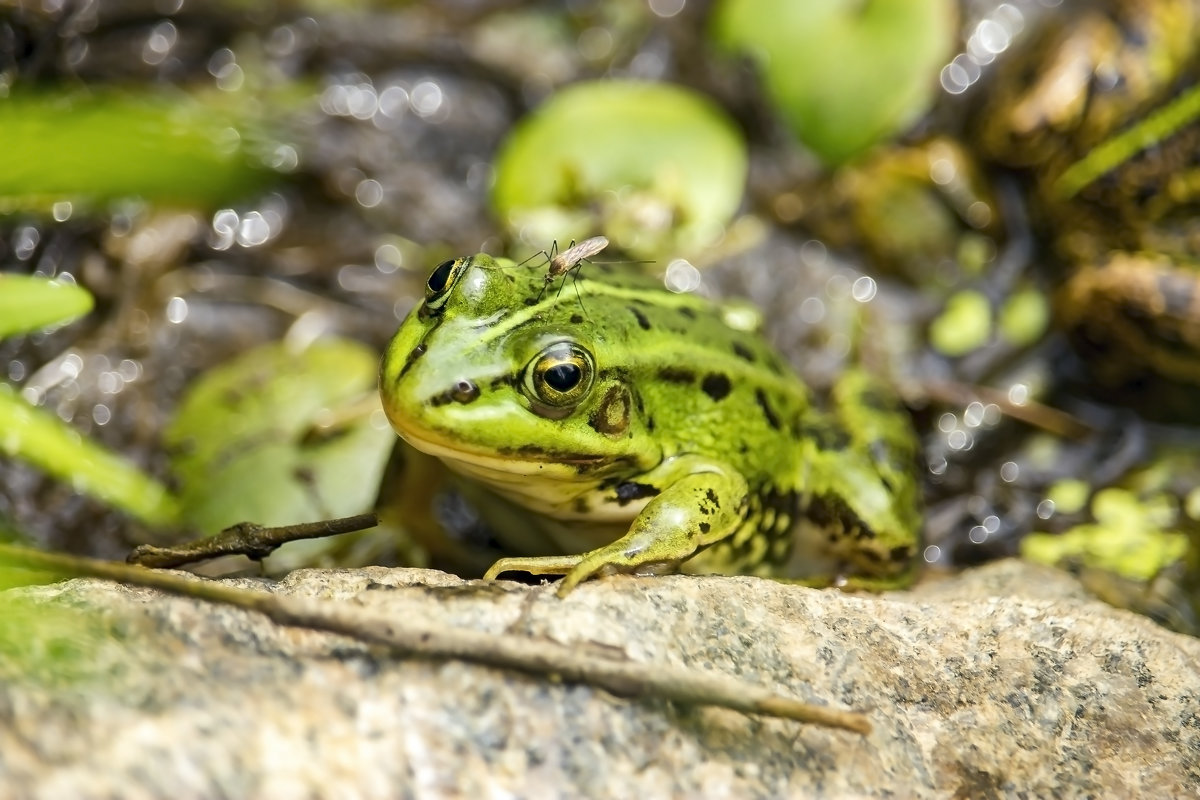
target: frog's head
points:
(508, 386)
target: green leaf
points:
(29, 303)
(247, 442)
(43, 440)
(1025, 316)
(845, 74)
(964, 324)
(655, 167)
(95, 147)
(1134, 552)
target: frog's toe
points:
(552, 565)
(578, 575)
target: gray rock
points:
(1004, 681)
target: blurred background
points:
(214, 215)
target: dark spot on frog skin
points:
(576, 319)
(690, 313)
(611, 417)
(782, 503)
(677, 375)
(768, 412)
(783, 507)
(631, 490)
(582, 462)
(502, 381)
(531, 301)
(711, 496)
(413, 355)
(864, 533)
(650, 424)
(834, 515)
(903, 553)
(744, 353)
(827, 436)
(581, 505)
(716, 386)
(704, 527)
(642, 320)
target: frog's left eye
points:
(560, 376)
(441, 281)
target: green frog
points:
(627, 428)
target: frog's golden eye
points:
(560, 376)
(441, 280)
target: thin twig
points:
(246, 538)
(1039, 415)
(542, 658)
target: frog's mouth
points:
(506, 467)
(547, 486)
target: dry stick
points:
(1039, 415)
(247, 538)
(555, 661)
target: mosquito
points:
(571, 258)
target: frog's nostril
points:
(464, 392)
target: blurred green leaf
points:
(655, 167)
(1147, 132)
(29, 303)
(964, 324)
(845, 74)
(96, 147)
(43, 440)
(1025, 316)
(248, 444)
(1069, 495)
(1130, 546)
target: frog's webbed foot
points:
(691, 513)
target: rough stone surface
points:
(1005, 681)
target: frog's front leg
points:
(701, 503)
